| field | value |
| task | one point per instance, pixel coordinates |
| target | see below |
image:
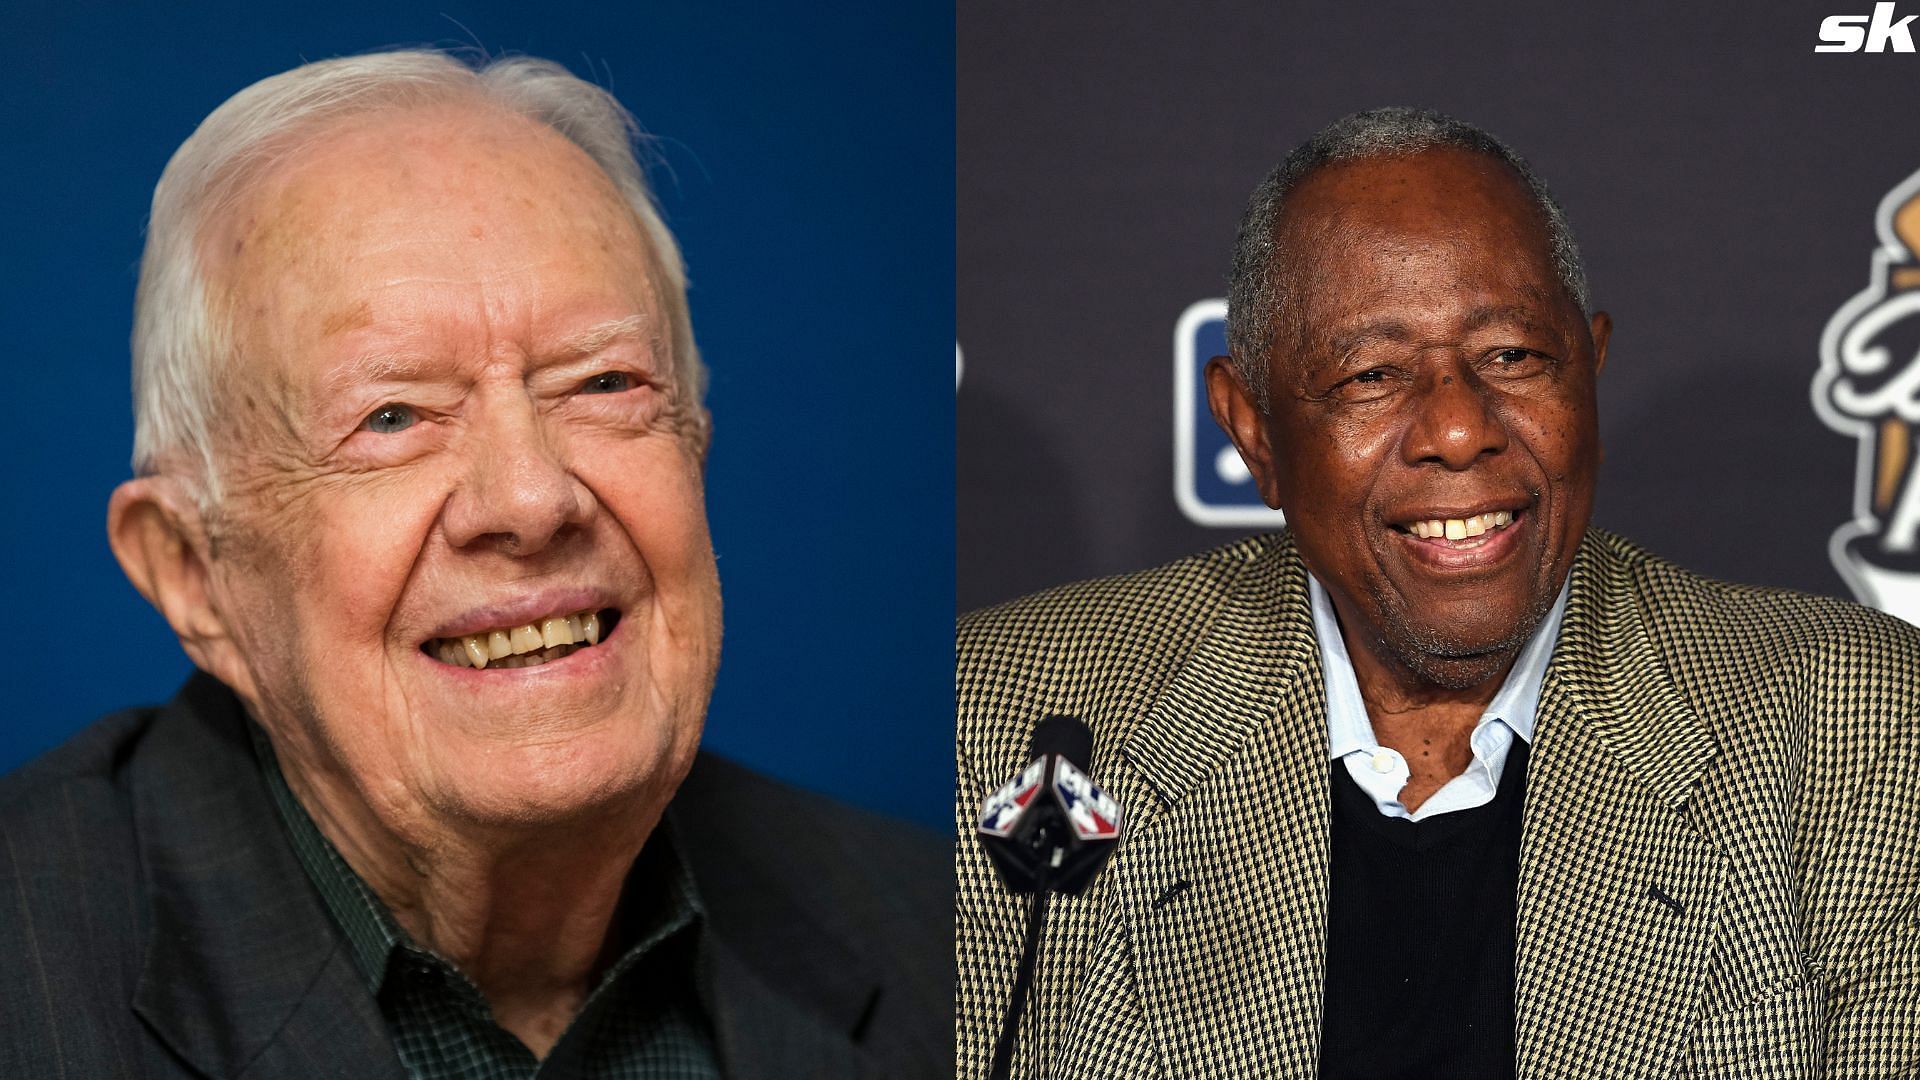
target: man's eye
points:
(1372, 384)
(388, 419)
(1516, 363)
(608, 382)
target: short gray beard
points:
(1444, 662)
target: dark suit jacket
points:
(1719, 866)
(154, 922)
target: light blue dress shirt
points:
(1380, 771)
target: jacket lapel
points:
(766, 1034)
(245, 976)
(243, 971)
(1619, 891)
(782, 973)
(1223, 878)
(1222, 883)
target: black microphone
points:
(1047, 830)
(1051, 827)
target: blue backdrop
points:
(808, 171)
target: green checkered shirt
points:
(644, 1021)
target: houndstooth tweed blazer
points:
(1719, 872)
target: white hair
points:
(182, 344)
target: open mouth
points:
(528, 644)
(1462, 533)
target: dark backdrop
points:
(808, 172)
(1722, 178)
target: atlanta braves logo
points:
(1868, 387)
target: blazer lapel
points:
(1223, 877)
(782, 974)
(245, 975)
(766, 1034)
(243, 972)
(1619, 891)
(1222, 882)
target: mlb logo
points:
(1003, 808)
(1210, 482)
(1092, 812)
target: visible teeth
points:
(1461, 528)
(520, 646)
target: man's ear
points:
(1239, 415)
(703, 434)
(158, 533)
(1602, 328)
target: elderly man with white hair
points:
(419, 488)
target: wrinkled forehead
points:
(1437, 189)
(1345, 227)
(361, 216)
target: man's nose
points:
(517, 493)
(1454, 420)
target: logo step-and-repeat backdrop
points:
(1868, 387)
(1732, 184)
(1211, 485)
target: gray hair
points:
(1254, 296)
(182, 346)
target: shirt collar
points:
(1349, 729)
(659, 898)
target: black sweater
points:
(1420, 937)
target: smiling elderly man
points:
(1440, 782)
(420, 448)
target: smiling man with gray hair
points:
(419, 462)
(1439, 781)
